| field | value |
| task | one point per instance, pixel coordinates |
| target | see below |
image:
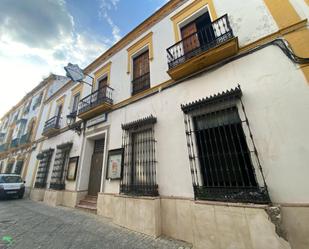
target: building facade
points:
(195, 127)
(19, 127)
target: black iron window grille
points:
(19, 167)
(218, 32)
(223, 158)
(139, 171)
(9, 168)
(58, 176)
(41, 176)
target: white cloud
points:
(105, 7)
(38, 37)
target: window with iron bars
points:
(223, 158)
(60, 167)
(19, 167)
(9, 167)
(139, 172)
(41, 176)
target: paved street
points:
(27, 225)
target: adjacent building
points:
(195, 127)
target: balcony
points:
(141, 83)
(24, 139)
(201, 49)
(96, 103)
(3, 147)
(14, 143)
(2, 135)
(52, 126)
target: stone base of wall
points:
(208, 225)
(295, 221)
(37, 194)
(219, 226)
(138, 214)
(72, 198)
(53, 197)
(64, 197)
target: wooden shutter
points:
(102, 83)
(190, 41)
(141, 65)
(102, 88)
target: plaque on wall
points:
(97, 120)
(114, 164)
(72, 168)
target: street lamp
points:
(76, 74)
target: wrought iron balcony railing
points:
(3, 147)
(100, 96)
(24, 139)
(52, 124)
(218, 32)
(14, 143)
(141, 83)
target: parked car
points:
(11, 185)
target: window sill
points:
(231, 204)
(138, 197)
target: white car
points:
(11, 185)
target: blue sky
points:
(38, 37)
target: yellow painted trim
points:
(190, 10)
(282, 32)
(61, 100)
(77, 89)
(35, 124)
(25, 165)
(137, 46)
(283, 12)
(49, 111)
(106, 69)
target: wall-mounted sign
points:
(114, 164)
(97, 120)
(72, 168)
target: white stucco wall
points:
(64, 137)
(250, 20)
(269, 82)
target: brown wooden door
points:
(96, 168)
(102, 88)
(190, 41)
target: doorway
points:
(96, 167)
